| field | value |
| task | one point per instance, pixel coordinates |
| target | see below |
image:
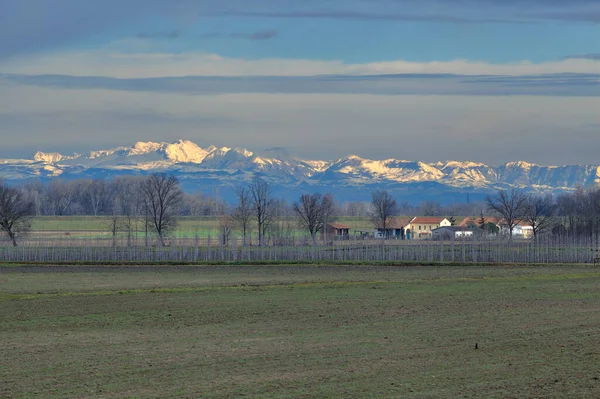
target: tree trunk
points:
(13, 238)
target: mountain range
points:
(350, 178)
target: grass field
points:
(299, 331)
(187, 226)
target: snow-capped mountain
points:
(142, 154)
(352, 176)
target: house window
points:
(419, 227)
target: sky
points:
(491, 81)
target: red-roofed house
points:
(336, 231)
(421, 227)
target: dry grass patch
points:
(301, 332)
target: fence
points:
(544, 251)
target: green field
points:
(185, 224)
(299, 331)
(73, 224)
(98, 226)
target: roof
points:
(339, 226)
(476, 219)
(395, 222)
(453, 228)
(427, 220)
(521, 223)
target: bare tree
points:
(383, 206)
(162, 197)
(355, 209)
(97, 192)
(129, 208)
(116, 222)
(59, 196)
(539, 213)
(226, 227)
(35, 191)
(510, 205)
(406, 209)
(580, 212)
(314, 211)
(429, 208)
(329, 210)
(263, 206)
(243, 212)
(15, 212)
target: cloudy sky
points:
(483, 80)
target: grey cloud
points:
(263, 34)
(594, 57)
(85, 119)
(212, 35)
(257, 35)
(366, 16)
(33, 25)
(29, 25)
(167, 34)
(406, 84)
(588, 16)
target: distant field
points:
(299, 331)
(86, 226)
(101, 223)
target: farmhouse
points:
(336, 231)
(421, 227)
(451, 233)
(394, 228)
(496, 225)
(520, 230)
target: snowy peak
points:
(459, 164)
(141, 153)
(144, 147)
(227, 158)
(474, 173)
(181, 151)
(519, 165)
(390, 169)
(48, 157)
(185, 151)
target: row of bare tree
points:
(572, 214)
(515, 207)
(154, 200)
(257, 207)
(579, 213)
(96, 197)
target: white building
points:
(451, 232)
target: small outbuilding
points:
(395, 228)
(336, 231)
(451, 233)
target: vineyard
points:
(85, 239)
